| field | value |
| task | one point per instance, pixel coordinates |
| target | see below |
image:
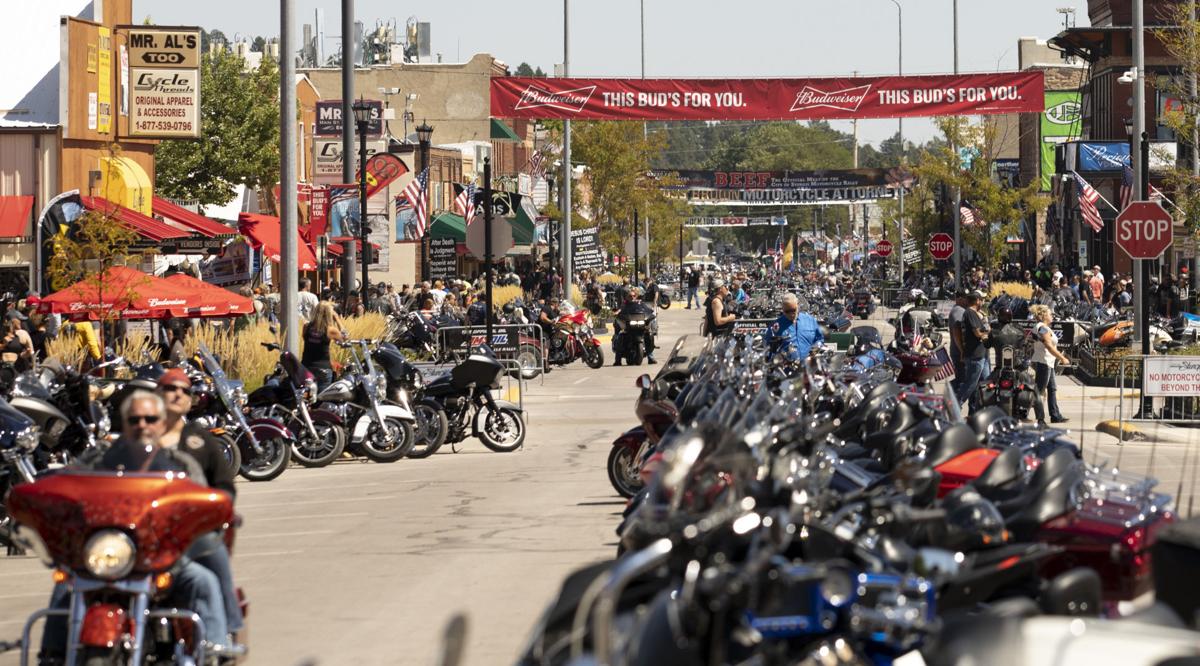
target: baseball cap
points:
(976, 295)
(175, 377)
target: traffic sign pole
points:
(1143, 230)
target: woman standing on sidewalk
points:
(1045, 353)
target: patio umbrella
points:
(125, 292)
(214, 301)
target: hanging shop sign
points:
(327, 159)
(1113, 156)
(768, 99)
(585, 249)
(1061, 121)
(749, 188)
(164, 82)
(735, 221)
(329, 118)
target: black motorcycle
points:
(634, 337)
(405, 384)
(465, 394)
(18, 445)
(1011, 386)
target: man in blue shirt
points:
(795, 333)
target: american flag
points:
(942, 357)
(1126, 187)
(1088, 196)
(415, 193)
(402, 204)
(536, 168)
(339, 193)
(464, 203)
(777, 253)
(967, 214)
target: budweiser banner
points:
(748, 188)
(735, 221)
(768, 99)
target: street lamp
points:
(362, 116)
(900, 132)
(424, 134)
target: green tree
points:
(239, 142)
(524, 69)
(538, 72)
(1182, 42)
(258, 45)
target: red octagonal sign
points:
(883, 248)
(941, 246)
(1143, 229)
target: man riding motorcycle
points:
(549, 315)
(634, 306)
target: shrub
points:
(1012, 289)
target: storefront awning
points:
(502, 131)
(263, 233)
(522, 227)
(14, 215)
(187, 218)
(131, 219)
(449, 225)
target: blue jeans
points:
(1045, 384)
(196, 588)
(693, 295)
(973, 371)
(210, 551)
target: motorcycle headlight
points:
(28, 438)
(109, 554)
(837, 588)
(380, 389)
(310, 389)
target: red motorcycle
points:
(656, 411)
(572, 339)
(115, 540)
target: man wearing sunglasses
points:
(795, 333)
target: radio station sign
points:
(736, 221)
(780, 187)
(164, 82)
(585, 249)
(506, 338)
(768, 99)
(329, 118)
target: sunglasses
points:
(151, 419)
(791, 311)
(171, 388)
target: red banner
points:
(768, 99)
(382, 170)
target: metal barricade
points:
(430, 371)
(509, 342)
(1161, 389)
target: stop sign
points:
(941, 246)
(883, 248)
(1144, 229)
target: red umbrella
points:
(127, 293)
(214, 301)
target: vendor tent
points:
(127, 293)
(214, 301)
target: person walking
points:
(306, 301)
(693, 287)
(1045, 354)
(975, 366)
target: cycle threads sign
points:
(164, 99)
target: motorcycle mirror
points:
(937, 563)
(644, 382)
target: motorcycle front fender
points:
(631, 439)
(103, 624)
(326, 416)
(269, 429)
(385, 411)
(482, 413)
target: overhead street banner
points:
(736, 188)
(735, 221)
(768, 99)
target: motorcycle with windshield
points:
(572, 338)
(18, 463)
(358, 404)
(465, 394)
(634, 336)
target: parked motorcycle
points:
(465, 394)
(19, 438)
(406, 385)
(358, 405)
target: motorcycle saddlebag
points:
(1176, 558)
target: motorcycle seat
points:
(983, 419)
(1048, 497)
(1000, 475)
(951, 443)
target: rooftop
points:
(29, 92)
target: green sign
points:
(1061, 122)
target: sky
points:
(684, 38)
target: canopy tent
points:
(214, 301)
(131, 294)
(263, 233)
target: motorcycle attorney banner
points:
(779, 187)
(768, 99)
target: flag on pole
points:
(968, 215)
(1088, 196)
(536, 164)
(415, 193)
(1126, 187)
(464, 203)
(402, 204)
(941, 358)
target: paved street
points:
(361, 563)
(364, 563)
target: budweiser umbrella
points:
(128, 293)
(214, 301)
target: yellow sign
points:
(104, 74)
(91, 59)
(164, 47)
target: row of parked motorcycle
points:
(821, 512)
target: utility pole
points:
(954, 205)
(636, 249)
(289, 232)
(900, 129)
(487, 247)
(1139, 128)
(566, 237)
(348, 252)
(1192, 90)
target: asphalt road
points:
(364, 563)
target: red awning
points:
(194, 221)
(213, 300)
(130, 294)
(263, 233)
(133, 220)
(14, 215)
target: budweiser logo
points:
(567, 100)
(158, 302)
(848, 99)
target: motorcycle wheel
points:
(623, 472)
(390, 445)
(635, 355)
(430, 430)
(232, 454)
(593, 356)
(664, 302)
(503, 430)
(530, 359)
(277, 453)
(331, 440)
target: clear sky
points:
(684, 38)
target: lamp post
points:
(424, 134)
(900, 129)
(362, 116)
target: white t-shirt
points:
(306, 302)
(1040, 353)
(438, 295)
